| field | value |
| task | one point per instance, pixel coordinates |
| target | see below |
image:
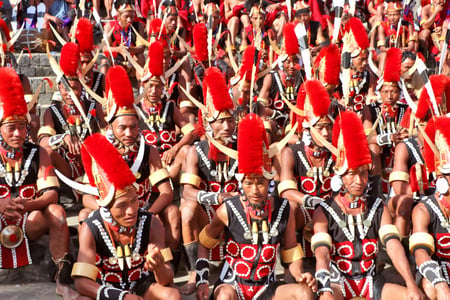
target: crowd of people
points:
(231, 132)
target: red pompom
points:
(84, 35)
(393, 65)
(118, 83)
(214, 84)
(424, 105)
(290, 39)
(12, 100)
(113, 169)
(200, 37)
(250, 145)
(247, 62)
(70, 58)
(156, 59)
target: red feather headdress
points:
(215, 93)
(356, 35)
(350, 140)
(438, 131)
(314, 100)
(70, 59)
(106, 169)
(290, 39)
(12, 101)
(200, 37)
(119, 93)
(392, 67)
(85, 35)
(155, 62)
(252, 146)
(328, 65)
(424, 105)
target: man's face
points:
(355, 181)
(360, 62)
(290, 65)
(172, 19)
(257, 20)
(393, 17)
(324, 129)
(126, 129)
(14, 133)
(303, 18)
(126, 18)
(390, 94)
(405, 66)
(85, 59)
(124, 209)
(255, 188)
(223, 129)
(154, 91)
(76, 87)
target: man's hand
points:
(132, 297)
(154, 258)
(442, 291)
(12, 209)
(169, 155)
(309, 280)
(202, 291)
(73, 144)
(413, 293)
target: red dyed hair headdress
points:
(355, 36)
(350, 140)
(85, 35)
(438, 131)
(290, 39)
(216, 95)
(392, 68)
(119, 93)
(200, 37)
(70, 60)
(106, 169)
(155, 68)
(12, 101)
(328, 65)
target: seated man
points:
(433, 26)
(255, 224)
(122, 250)
(348, 227)
(28, 199)
(430, 225)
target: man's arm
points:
(159, 177)
(288, 186)
(399, 177)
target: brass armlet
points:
(189, 127)
(51, 181)
(387, 232)
(286, 185)
(399, 176)
(423, 240)
(206, 240)
(186, 103)
(158, 176)
(267, 126)
(321, 239)
(82, 269)
(191, 179)
(46, 130)
(166, 253)
(290, 255)
(381, 44)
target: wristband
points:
(384, 139)
(311, 201)
(110, 293)
(202, 270)
(432, 272)
(209, 198)
(323, 281)
(57, 141)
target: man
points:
(122, 250)
(430, 225)
(254, 224)
(385, 134)
(64, 128)
(209, 174)
(348, 227)
(409, 178)
(362, 81)
(28, 204)
(160, 115)
(284, 82)
(306, 167)
(433, 26)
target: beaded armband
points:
(105, 292)
(323, 281)
(202, 270)
(432, 272)
(209, 198)
(384, 139)
(56, 141)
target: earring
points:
(336, 183)
(442, 185)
